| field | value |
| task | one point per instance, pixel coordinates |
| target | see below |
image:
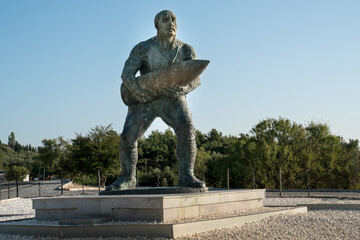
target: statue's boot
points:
(127, 179)
(186, 155)
(121, 184)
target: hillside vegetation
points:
(308, 156)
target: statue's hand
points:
(142, 95)
(175, 91)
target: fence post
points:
(39, 172)
(82, 184)
(308, 183)
(62, 183)
(228, 178)
(39, 188)
(99, 182)
(280, 181)
(253, 180)
(8, 190)
(137, 178)
(17, 185)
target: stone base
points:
(154, 190)
(137, 229)
(156, 207)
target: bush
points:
(156, 177)
(88, 180)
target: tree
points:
(157, 157)
(49, 154)
(353, 164)
(202, 157)
(156, 177)
(10, 158)
(214, 142)
(98, 150)
(12, 142)
(16, 171)
(157, 150)
(104, 149)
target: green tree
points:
(98, 150)
(209, 162)
(202, 158)
(353, 165)
(156, 177)
(16, 171)
(49, 155)
(12, 158)
(157, 154)
(157, 150)
(12, 142)
(214, 142)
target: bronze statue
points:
(159, 59)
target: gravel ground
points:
(16, 209)
(312, 225)
(324, 224)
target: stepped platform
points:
(148, 207)
(152, 215)
(132, 229)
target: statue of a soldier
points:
(157, 53)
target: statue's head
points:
(165, 23)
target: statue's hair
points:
(160, 14)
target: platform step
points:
(148, 207)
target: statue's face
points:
(167, 25)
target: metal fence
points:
(40, 188)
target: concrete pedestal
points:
(172, 230)
(159, 207)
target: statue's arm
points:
(131, 67)
(190, 54)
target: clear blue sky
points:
(60, 63)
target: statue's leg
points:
(138, 120)
(177, 115)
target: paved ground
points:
(47, 189)
(322, 193)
